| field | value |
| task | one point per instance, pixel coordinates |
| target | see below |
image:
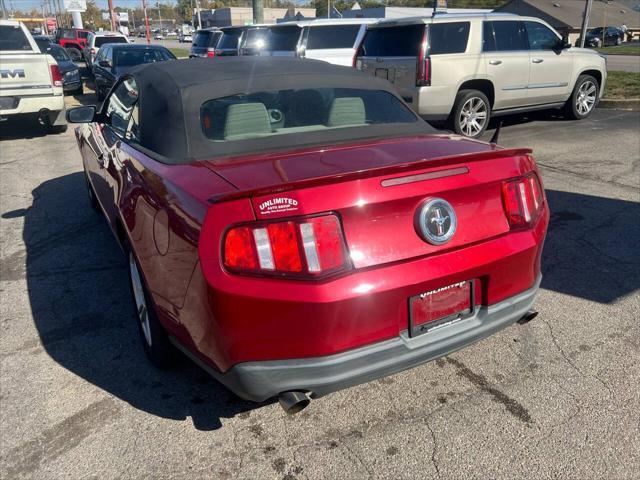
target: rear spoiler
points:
(495, 152)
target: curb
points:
(626, 104)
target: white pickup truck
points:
(30, 81)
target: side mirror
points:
(565, 43)
(84, 114)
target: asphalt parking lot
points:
(555, 398)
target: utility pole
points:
(146, 21)
(585, 22)
(258, 11)
(199, 17)
(328, 8)
(159, 16)
(133, 19)
(113, 23)
(4, 10)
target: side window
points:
(508, 36)
(540, 37)
(488, 38)
(120, 105)
(448, 37)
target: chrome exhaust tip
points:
(293, 402)
(527, 317)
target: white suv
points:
(465, 68)
(334, 41)
(96, 39)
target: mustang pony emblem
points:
(436, 221)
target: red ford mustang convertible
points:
(295, 229)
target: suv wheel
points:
(154, 338)
(75, 54)
(471, 113)
(583, 99)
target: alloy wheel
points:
(586, 98)
(473, 116)
(139, 297)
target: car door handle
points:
(495, 62)
(537, 60)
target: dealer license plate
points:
(440, 307)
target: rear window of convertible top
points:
(264, 114)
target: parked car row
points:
(458, 70)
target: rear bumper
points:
(35, 103)
(258, 381)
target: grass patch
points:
(620, 50)
(621, 85)
(180, 52)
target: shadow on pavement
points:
(592, 249)
(23, 127)
(79, 294)
(78, 289)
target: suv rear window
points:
(332, 36)
(277, 112)
(13, 38)
(448, 37)
(205, 39)
(401, 41)
(229, 39)
(282, 38)
(102, 40)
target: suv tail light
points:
(56, 76)
(523, 200)
(423, 67)
(211, 52)
(307, 247)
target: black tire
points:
(75, 54)
(473, 102)
(155, 340)
(80, 90)
(578, 106)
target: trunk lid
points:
(378, 190)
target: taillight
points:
(523, 200)
(211, 53)
(305, 247)
(56, 76)
(423, 66)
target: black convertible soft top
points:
(173, 92)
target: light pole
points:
(159, 16)
(585, 22)
(258, 11)
(146, 21)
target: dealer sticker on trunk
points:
(278, 205)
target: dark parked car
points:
(71, 80)
(204, 43)
(229, 43)
(596, 39)
(296, 229)
(43, 42)
(115, 59)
